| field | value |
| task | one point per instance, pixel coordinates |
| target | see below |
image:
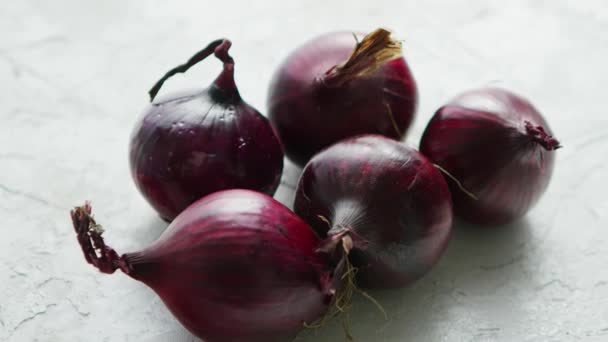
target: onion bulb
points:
(499, 151)
(339, 85)
(234, 266)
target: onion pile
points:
(236, 265)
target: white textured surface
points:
(74, 78)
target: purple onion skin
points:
(234, 266)
(191, 144)
(310, 112)
(499, 147)
(389, 195)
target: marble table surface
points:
(74, 80)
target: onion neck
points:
(339, 243)
(93, 246)
(223, 85)
(224, 88)
(368, 55)
(540, 136)
(341, 240)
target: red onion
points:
(386, 196)
(334, 87)
(234, 266)
(190, 144)
(499, 149)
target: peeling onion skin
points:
(499, 147)
(310, 112)
(234, 266)
(389, 195)
(190, 144)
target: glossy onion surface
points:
(332, 88)
(390, 195)
(190, 144)
(498, 147)
(235, 266)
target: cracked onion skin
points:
(500, 149)
(234, 266)
(390, 195)
(322, 93)
(190, 144)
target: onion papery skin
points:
(192, 143)
(310, 111)
(390, 195)
(498, 147)
(236, 266)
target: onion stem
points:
(220, 47)
(342, 302)
(95, 251)
(539, 135)
(369, 54)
